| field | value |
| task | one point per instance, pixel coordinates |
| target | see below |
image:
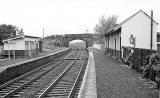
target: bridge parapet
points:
(85, 37)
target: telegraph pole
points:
(43, 32)
(87, 39)
(151, 28)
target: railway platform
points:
(6, 63)
(107, 78)
(88, 87)
(116, 80)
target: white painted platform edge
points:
(91, 62)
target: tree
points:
(104, 25)
(7, 31)
(1, 43)
(20, 32)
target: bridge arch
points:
(84, 37)
(77, 43)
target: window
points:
(158, 46)
(158, 38)
(27, 45)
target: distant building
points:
(22, 46)
(139, 27)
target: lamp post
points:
(87, 39)
(43, 33)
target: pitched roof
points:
(20, 37)
(135, 15)
(118, 26)
(31, 36)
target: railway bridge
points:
(88, 38)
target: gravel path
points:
(115, 80)
(18, 60)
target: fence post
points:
(133, 66)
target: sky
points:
(69, 16)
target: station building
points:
(158, 40)
(139, 26)
(22, 46)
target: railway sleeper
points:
(71, 59)
(62, 88)
(58, 94)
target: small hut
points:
(22, 46)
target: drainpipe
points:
(120, 49)
(151, 29)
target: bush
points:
(151, 69)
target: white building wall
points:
(112, 41)
(17, 44)
(155, 26)
(31, 39)
(32, 43)
(140, 27)
(118, 43)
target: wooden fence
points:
(138, 58)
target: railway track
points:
(53, 71)
(66, 83)
(9, 88)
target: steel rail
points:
(28, 73)
(77, 80)
(22, 86)
(44, 93)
